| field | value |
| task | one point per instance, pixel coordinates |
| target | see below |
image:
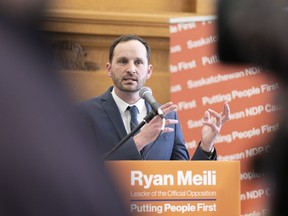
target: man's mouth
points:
(130, 79)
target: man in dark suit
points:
(106, 118)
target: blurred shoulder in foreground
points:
(46, 167)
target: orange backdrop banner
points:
(198, 188)
(199, 82)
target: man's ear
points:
(108, 69)
(149, 72)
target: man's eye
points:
(122, 61)
(138, 62)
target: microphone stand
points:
(145, 120)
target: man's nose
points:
(131, 68)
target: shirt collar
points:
(122, 105)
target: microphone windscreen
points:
(143, 91)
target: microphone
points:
(146, 94)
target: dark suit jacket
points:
(103, 125)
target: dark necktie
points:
(134, 122)
(133, 112)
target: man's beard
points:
(127, 88)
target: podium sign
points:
(195, 188)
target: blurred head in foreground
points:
(256, 32)
(46, 167)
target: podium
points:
(169, 188)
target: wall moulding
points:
(109, 23)
(70, 55)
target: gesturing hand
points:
(213, 122)
(150, 131)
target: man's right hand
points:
(151, 130)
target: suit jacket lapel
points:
(113, 113)
(148, 107)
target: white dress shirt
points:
(125, 114)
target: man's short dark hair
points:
(125, 38)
